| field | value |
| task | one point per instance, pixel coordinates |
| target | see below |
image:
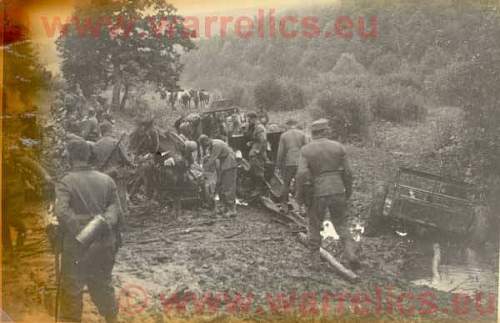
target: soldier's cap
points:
(291, 122)
(78, 149)
(320, 124)
(252, 115)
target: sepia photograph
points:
(250, 161)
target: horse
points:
(164, 170)
(204, 98)
(172, 98)
(185, 99)
(195, 97)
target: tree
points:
(124, 43)
(24, 76)
(472, 83)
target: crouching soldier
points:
(219, 150)
(324, 163)
(88, 210)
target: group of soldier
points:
(91, 199)
(320, 168)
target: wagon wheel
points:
(377, 223)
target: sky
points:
(31, 13)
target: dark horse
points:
(162, 167)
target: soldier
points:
(110, 158)
(144, 141)
(263, 116)
(89, 213)
(219, 150)
(16, 160)
(90, 127)
(258, 152)
(145, 138)
(291, 141)
(324, 163)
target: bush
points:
(348, 65)
(385, 64)
(273, 95)
(398, 104)
(236, 95)
(404, 78)
(347, 111)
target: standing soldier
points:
(263, 116)
(90, 127)
(88, 210)
(144, 141)
(219, 150)
(291, 141)
(323, 162)
(258, 152)
(111, 159)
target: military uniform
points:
(90, 129)
(258, 154)
(291, 141)
(220, 151)
(110, 158)
(325, 164)
(145, 139)
(81, 195)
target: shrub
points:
(398, 104)
(348, 65)
(236, 95)
(385, 64)
(273, 95)
(404, 78)
(347, 111)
